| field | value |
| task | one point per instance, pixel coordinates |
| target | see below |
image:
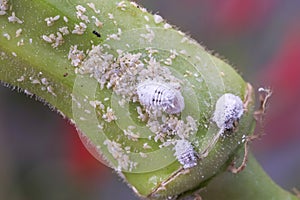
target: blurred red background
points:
(42, 156)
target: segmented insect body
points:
(229, 109)
(160, 95)
(185, 154)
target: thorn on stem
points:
(232, 168)
(264, 96)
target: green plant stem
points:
(28, 66)
(252, 183)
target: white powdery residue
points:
(106, 99)
(19, 32)
(192, 126)
(98, 23)
(229, 109)
(115, 149)
(100, 126)
(87, 111)
(173, 54)
(188, 73)
(119, 73)
(113, 37)
(244, 138)
(184, 39)
(106, 46)
(59, 40)
(167, 26)
(193, 42)
(47, 39)
(144, 10)
(172, 126)
(109, 116)
(99, 66)
(120, 52)
(79, 29)
(146, 18)
(130, 134)
(92, 6)
(50, 20)
(34, 80)
(122, 102)
(143, 155)
(185, 154)
(198, 58)
(20, 43)
(82, 119)
(55, 40)
(21, 79)
(158, 19)
(183, 52)
(110, 16)
(142, 116)
(97, 104)
(154, 71)
(151, 51)
(76, 56)
(66, 19)
(7, 36)
(146, 146)
(80, 10)
(181, 33)
(64, 30)
(3, 7)
(122, 5)
(50, 90)
(168, 61)
(125, 81)
(150, 35)
(134, 4)
(14, 19)
(44, 81)
(75, 100)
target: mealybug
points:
(185, 154)
(97, 34)
(160, 95)
(229, 109)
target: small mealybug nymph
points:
(185, 154)
(153, 94)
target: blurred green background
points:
(42, 157)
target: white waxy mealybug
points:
(229, 109)
(154, 94)
(185, 154)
